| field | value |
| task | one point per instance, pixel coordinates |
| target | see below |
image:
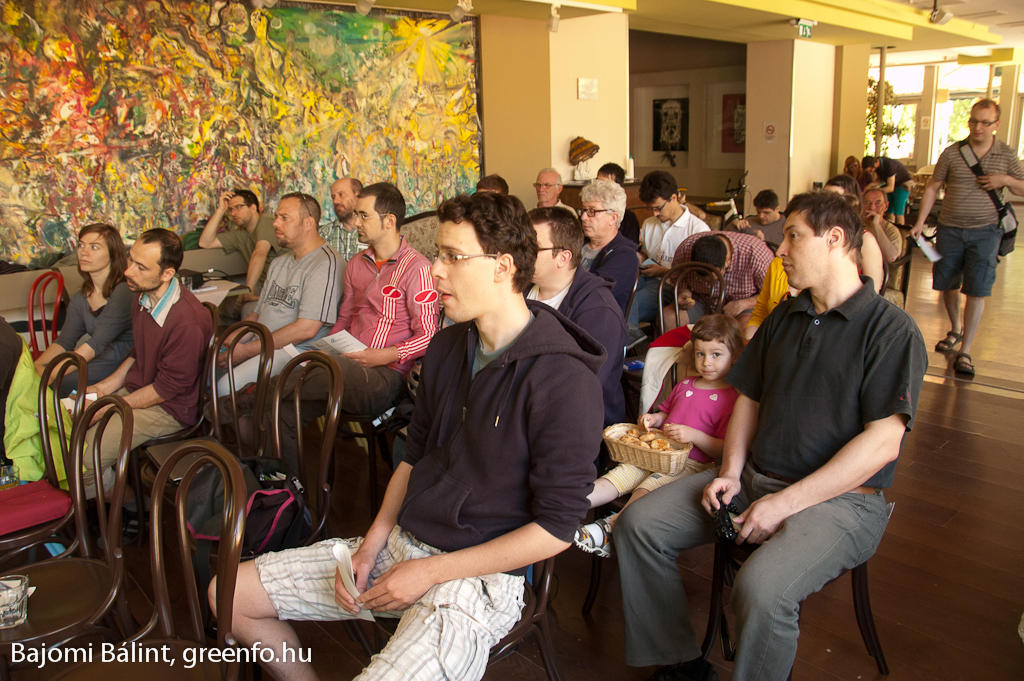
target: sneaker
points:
(694, 670)
(586, 541)
(635, 337)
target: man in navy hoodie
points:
(496, 476)
(585, 298)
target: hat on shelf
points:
(581, 150)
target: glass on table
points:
(13, 600)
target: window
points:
(900, 112)
(957, 89)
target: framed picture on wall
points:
(661, 126)
(726, 125)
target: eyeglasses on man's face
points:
(975, 123)
(591, 212)
(363, 217)
(543, 185)
(447, 258)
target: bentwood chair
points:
(533, 620)
(54, 522)
(728, 559)
(304, 366)
(37, 297)
(160, 631)
(695, 275)
(77, 590)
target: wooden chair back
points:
(227, 341)
(229, 547)
(677, 276)
(37, 297)
(305, 365)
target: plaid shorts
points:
(447, 634)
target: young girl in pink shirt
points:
(697, 411)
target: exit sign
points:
(804, 29)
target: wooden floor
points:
(947, 583)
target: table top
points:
(216, 290)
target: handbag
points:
(1007, 216)
(32, 504)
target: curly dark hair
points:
(501, 225)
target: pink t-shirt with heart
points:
(706, 410)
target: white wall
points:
(690, 171)
(604, 121)
(769, 87)
(811, 140)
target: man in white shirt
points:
(548, 186)
(660, 236)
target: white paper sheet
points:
(339, 343)
(344, 560)
(928, 250)
(216, 290)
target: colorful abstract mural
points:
(139, 112)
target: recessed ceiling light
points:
(981, 15)
(1012, 24)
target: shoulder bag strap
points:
(975, 165)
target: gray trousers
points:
(810, 549)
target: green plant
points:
(890, 128)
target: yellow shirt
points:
(774, 289)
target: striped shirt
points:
(396, 306)
(966, 205)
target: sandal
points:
(963, 364)
(951, 340)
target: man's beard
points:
(344, 215)
(132, 288)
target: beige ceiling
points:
(737, 21)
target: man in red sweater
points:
(160, 378)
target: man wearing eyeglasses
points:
(894, 179)
(254, 239)
(660, 236)
(562, 283)
(495, 478)
(548, 187)
(389, 305)
(969, 232)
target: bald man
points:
(341, 232)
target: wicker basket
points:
(669, 463)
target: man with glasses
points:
(548, 187)
(253, 238)
(607, 253)
(969, 232)
(299, 302)
(660, 236)
(389, 305)
(496, 476)
(561, 283)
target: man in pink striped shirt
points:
(389, 304)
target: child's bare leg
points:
(604, 492)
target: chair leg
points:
(865, 620)
(547, 649)
(356, 633)
(595, 583)
(716, 617)
(370, 433)
(140, 495)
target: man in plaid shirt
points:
(341, 233)
(743, 260)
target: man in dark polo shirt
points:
(828, 387)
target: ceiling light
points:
(364, 6)
(554, 19)
(458, 12)
(939, 16)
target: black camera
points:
(726, 529)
